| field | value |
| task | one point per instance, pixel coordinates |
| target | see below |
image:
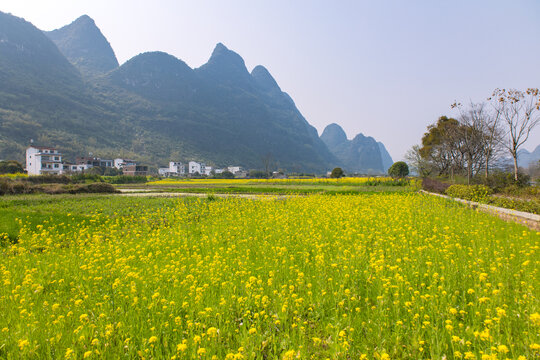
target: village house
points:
(41, 160)
(94, 162)
(135, 170)
(175, 169)
(196, 168)
(120, 163)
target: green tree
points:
(399, 169)
(337, 173)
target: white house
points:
(235, 169)
(208, 170)
(120, 163)
(42, 160)
(164, 171)
(195, 167)
(76, 167)
(177, 168)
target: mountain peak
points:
(83, 44)
(223, 56)
(84, 19)
(263, 77)
(225, 66)
(333, 135)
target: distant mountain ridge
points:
(83, 44)
(526, 158)
(154, 108)
(360, 155)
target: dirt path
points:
(532, 221)
(151, 193)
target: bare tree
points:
(268, 163)
(481, 135)
(417, 163)
(520, 112)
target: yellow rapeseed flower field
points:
(377, 276)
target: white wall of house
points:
(196, 167)
(235, 169)
(120, 163)
(164, 171)
(177, 168)
(41, 161)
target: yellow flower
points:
(535, 319)
(95, 342)
(181, 347)
(252, 331)
(289, 355)
(152, 339)
(212, 331)
(87, 354)
(22, 344)
(201, 351)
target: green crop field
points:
(372, 276)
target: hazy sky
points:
(386, 69)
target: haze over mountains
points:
(64, 88)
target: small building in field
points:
(196, 168)
(136, 170)
(120, 163)
(70, 167)
(41, 160)
(94, 162)
(164, 172)
(235, 169)
(208, 170)
(177, 168)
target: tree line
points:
(481, 135)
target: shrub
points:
(433, 185)
(469, 192)
(258, 174)
(498, 180)
(126, 179)
(224, 175)
(48, 179)
(101, 188)
(85, 178)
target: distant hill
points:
(526, 158)
(387, 161)
(83, 44)
(359, 155)
(42, 95)
(153, 108)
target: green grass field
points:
(375, 275)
